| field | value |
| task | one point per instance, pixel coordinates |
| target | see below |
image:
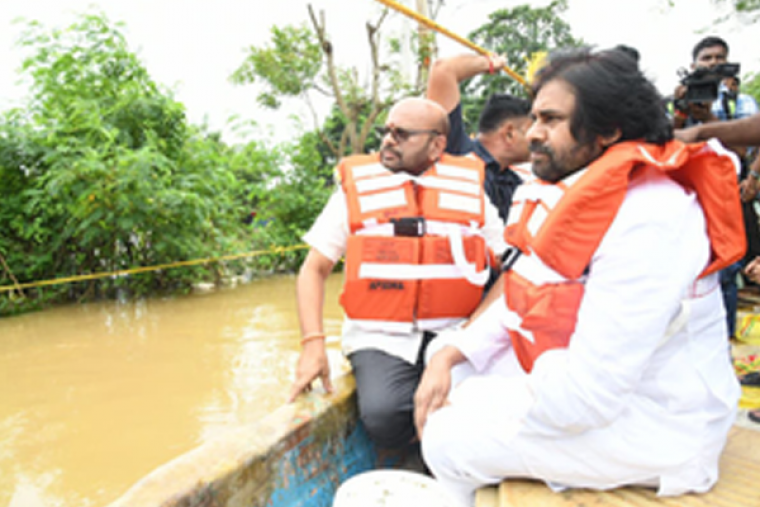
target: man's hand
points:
(689, 135)
(310, 294)
(496, 62)
(701, 111)
(312, 363)
(752, 270)
(748, 187)
(432, 394)
(447, 73)
(433, 391)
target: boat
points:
(295, 457)
(300, 454)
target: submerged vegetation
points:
(101, 171)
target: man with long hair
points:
(604, 364)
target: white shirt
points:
(329, 235)
(653, 405)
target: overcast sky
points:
(192, 46)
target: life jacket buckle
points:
(509, 257)
(413, 227)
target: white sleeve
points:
(329, 233)
(493, 228)
(650, 257)
(485, 337)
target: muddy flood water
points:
(95, 396)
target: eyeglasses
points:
(400, 134)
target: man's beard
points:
(553, 168)
(547, 169)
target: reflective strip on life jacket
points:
(455, 202)
(383, 200)
(411, 280)
(390, 181)
(367, 170)
(449, 185)
(452, 171)
(410, 271)
(534, 270)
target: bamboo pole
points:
(438, 28)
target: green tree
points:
(745, 6)
(748, 10)
(100, 171)
(300, 61)
(751, 85)
(517, 34)
(745, 10)
(288, 205)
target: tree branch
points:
(376, 108)
(319, 27)
(343, 139)
(321, 133)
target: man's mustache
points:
(390, 150)
(540, 148)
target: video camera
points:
(702, 84)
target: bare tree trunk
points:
(332, 74)
(426, 43)
(355, 133)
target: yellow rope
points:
(144, 269)
(438, 28)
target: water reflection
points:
(93, 397)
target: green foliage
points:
(747, 11)
(288, 209)
(751, 86)
(288, 65)
(516, 34)
(297, 61)
(751, 7)
(334, 127)
(101, 172)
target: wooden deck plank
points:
(738, 486)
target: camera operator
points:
(711, 54)
(715, 80)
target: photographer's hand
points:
(679, 92)
(702, 111)
(679, 115)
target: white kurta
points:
(329, 235)
(623, 404)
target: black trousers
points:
(385, 387)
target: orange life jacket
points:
(575, 216)
(423, 274)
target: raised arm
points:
(447, 73)
(743, 132)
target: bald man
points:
(417, 232)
